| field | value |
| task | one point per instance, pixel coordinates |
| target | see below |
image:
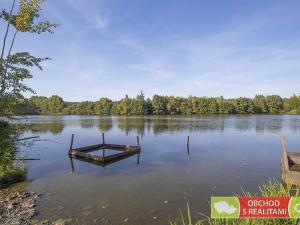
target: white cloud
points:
(100, 22)
(91, 14)
(228, 62)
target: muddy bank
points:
(19, 208)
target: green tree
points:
(244, 105)
(41, 105)
(149, 109)
(103, 106)
(139, 105)
(56, 104)
(260, 105)
(292, 103)
(159, 105)
(225, 106)
(14, 67)
(274, 103)
(201, 105)
(173, 105)
(123, 107)
(213, 106)
(192, 103)
(85, 108)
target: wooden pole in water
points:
(138, 159)
(103, 139)
(72, 139)
(188, 145)
(138, 140)
(72, 165)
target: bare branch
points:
(6, 32)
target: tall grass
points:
(272, 188)
(10, 170)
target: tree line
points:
(161, 105)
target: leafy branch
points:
(14, 68)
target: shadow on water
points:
(102, 164)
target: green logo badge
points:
(294, 207)
(225, 207)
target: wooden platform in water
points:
(102, 164)
(290, 165)
(86, 153)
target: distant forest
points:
(160, 105)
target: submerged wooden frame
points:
(85, 153)
(289, 159)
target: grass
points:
(12, 174)
(10, 170)
(271, 188)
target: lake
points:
(226, 153)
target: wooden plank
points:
(284, 157)
(72, 139)
(103, 164)
(108, 146)
(120, 155)
(87, 156)
(100, 158)
(289, 176)
(294, 157)
(27, 138)
(91, 147)
(121, 147)
(292, 177)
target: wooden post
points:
(138, 159)
(103, 139)
(188, 145)
(138, 140)
(72, 165)
(72, 139)
(284, 154)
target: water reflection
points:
(224, 154)
(105, 124)
(102, 164)
(128, 124)
(160, 124)
(87, 123)
(295, 124)
(55, 127)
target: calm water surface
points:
(226, 153)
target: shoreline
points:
(19, 207)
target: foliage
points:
(272, 188)
(13, 174)
(259, 104)
(292, 105)
(274, 103)
(14, 67)
(244, 105)
(10, 171)
(160, 105)
(103, 106)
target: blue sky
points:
(202, 48)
